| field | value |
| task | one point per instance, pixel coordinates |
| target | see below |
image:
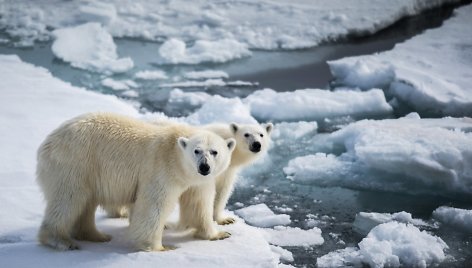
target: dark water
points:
(294, 70)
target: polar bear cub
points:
(252, 141)
(105, 159)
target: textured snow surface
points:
(455, 217)
(365, 221)
(402, 155)
(430, 72)
(294, 236)
(91, 47)
(390, 244)
(261, 216)
(270, 24)
(33, 103)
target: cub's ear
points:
(231, 143)
(234, 127)
(268, 127)
(182, 142)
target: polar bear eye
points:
(197, 151)
(213, 152)
(262, 135)
(246, 135)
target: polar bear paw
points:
(226, 221)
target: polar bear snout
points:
(255, 147)
(204, 168)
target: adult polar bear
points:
(207, 201)
(105, 159)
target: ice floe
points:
(454, 217)
(89, 46)
(262, 216)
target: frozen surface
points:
(207, 74)
(118, 84)
(175, 51)
(402, 155)
(285, 24)
(33, 103)
(454, 217)
(151, 75)
(365, 221)
(89, 46)
(390, 245)
(430, 72)
(294, 236)
(261, 216)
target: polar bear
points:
(106, 159)
(206, 202)
(252, 141)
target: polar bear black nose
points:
(204, 169)
(256, 147)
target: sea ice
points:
(454, 217)
(207, 74)
(294, 236)
(391, 244)
(430, 72)
(118, 84)
(89, 46)
(365, 221)
(262, 216)
(151, 75)
(176, 51)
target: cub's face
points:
(206, 154)
(252, 138)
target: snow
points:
(365, 221)
(284, 254)
(151, 75)
(294, 130)
(118, 84)
(402, 155)
(33, 103)
(190, 98)
(89, 46)
(430, 72)
(175, 51)
(262, 216)
(455, 217)
(390, 245)
(294, 236)
(316, 104)
(285, 24)
(206, 74)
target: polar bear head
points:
(206, 154)
(251, 138)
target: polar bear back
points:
(107, 155)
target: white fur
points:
(111, 160)
(192, 212)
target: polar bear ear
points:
(234, 127)
(182, 142)
(231, 143)
(268, 127)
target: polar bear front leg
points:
(224, 187)
(196, 210)
(148, 217)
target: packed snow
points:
(454, 217)
(402, 155)
(31, 95)
(391, 244)
(262, 216)
(365, 221)
(284, 24)
(294, 236)
(151, 75)
(430, 72)
(89, 46)
(175, 51)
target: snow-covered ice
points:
(454, 217)
(284, 24)
(175, 51)
(430, 72)
(206, 74)
(118, 84)
(151, 75)
(33, 103)
(391, 244)
(262, 216)
(365, 221)
(89, 46)
(294, 236)
(402, 155)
